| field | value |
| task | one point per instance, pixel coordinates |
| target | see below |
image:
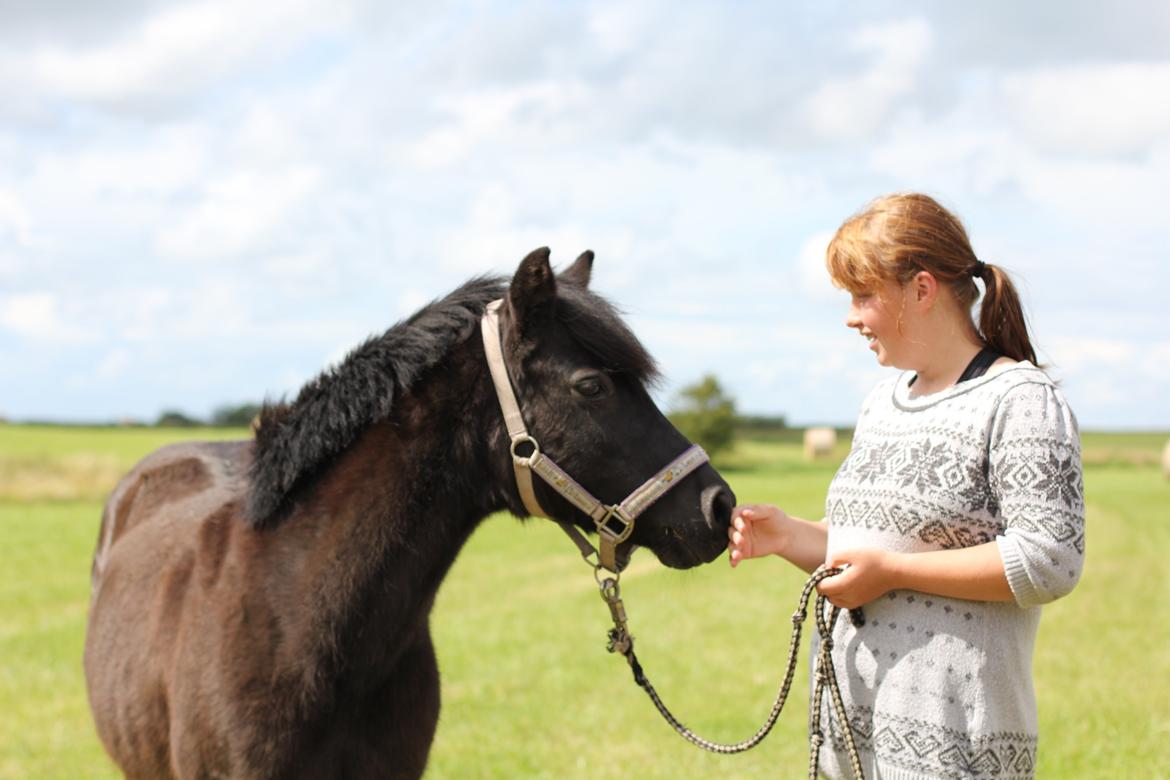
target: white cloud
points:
(14, 220)
(477, 118)
(1155, 363)
(166, 161)
(114, 364)
(692, 334)
(814, 277)
(1106, 377)
(1100, 108)
(181, 49)
(140, 315)
(617, 28)
(295, 268)
(492, 238)
(30, 314)
(1105, 359)
(238, 212)
(974, 150)
(1079, 354)
(37, 316)
(1125, 194)
(963, 151)
(854, 106)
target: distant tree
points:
(172, 418)
(238, 416)
(706, 415)
(763, 422)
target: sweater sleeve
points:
(1037, 484)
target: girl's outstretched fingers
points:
(755, 531)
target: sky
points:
(208, 203)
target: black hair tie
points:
(979, 269)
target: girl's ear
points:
(925, 288)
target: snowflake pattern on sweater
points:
(937, 687)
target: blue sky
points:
(209, 202)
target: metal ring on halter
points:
(615, 512)
(525, 460)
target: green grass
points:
(528, 689)
(45, 729)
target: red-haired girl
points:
(958, 512)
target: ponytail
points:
(1001, 317)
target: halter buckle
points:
(615, 525)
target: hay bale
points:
(819, 443)
(1166, 459)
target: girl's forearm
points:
(805, 543)
(973, 573)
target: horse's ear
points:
(533, 292)
(580, 271)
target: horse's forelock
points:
(597, 327)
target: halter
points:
(614, 522)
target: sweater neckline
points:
(907, 402)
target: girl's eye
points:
(589, 387)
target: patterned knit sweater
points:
(937, 687)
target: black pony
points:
(260, 608)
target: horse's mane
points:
(294, 441)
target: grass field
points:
(528, 689)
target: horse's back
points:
(152, 531)
(186, 477)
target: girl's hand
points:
(756, 530)
(869, 574)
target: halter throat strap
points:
(614, 522)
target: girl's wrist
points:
(784, 540)
(800, 542)
(896, 565)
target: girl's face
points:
(877, 316)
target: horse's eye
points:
(590, 387)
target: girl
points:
(958, 512)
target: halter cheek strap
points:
(614, 522)
(513, 421)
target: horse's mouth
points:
(678, 552)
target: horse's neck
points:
(381, 527)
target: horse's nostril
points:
(718, 501)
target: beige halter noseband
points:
(614, 522)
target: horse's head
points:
(581, 380)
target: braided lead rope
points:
(621, 641)
(826, 671)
